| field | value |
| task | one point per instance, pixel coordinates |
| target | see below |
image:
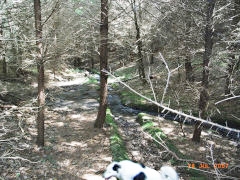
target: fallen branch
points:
(17, 158)
(227, 99)
(8, 106)
(151, 86)
(6, 155)
(161, 142)
(165, 108)
(168, 76)
(209, 172)
(217, 172)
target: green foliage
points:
(117, 146)
(148, 125)
(115, 85)
(129, 97)
(76, 70)
(156, 133)
(126, 73)
(92, 80)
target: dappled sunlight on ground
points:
(223, 149)
(74, 149)
(69, 79)
(78, 147)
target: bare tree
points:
(103, 64)
(204, 95)
(40, 68)
(141, 70)
(2, 46)
(187, 62)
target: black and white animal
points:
(128, 170)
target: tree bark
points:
(40, 67)
(204, 95)
(228, 80)
(103, 65)
(141, 69)
(4, 65)
(189, 69)
(92, 52)
(2, 49)
(188, 62)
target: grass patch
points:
(129, 97)
(117, 146)
(126, 73)
(148, 125)
(92, 80)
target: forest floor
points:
(74, 149)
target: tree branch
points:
(165, 108)
(17, 158)
(227, 99)
(53, 11)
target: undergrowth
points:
(117, 146)
(148, 126)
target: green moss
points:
(149, 126)
(117, 146)
(115, 85)
(143, 117)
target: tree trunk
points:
(204, 95)
(40, 67)
(152, 53)
(4, 65)
(188, 63)
(103, 65)
(228, 81)
(92, 51)
(141, 70)
(189, 69)
(2, 49)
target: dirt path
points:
(73, 148)
(79, 150)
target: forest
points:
(86, 82)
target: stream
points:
(119, 110)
